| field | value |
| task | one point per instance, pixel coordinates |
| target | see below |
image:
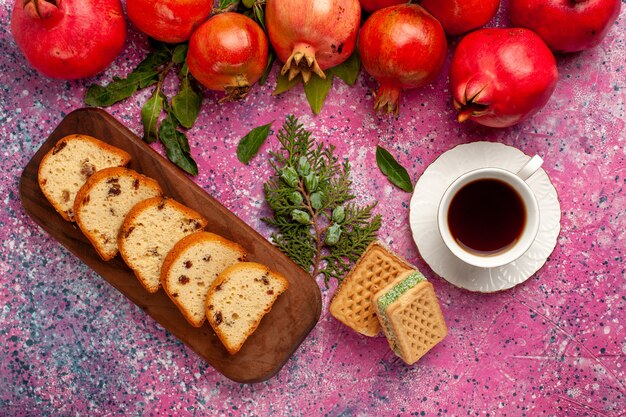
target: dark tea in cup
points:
(486, 216)
(489, 217)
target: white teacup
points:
(528, 231)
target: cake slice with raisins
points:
(104, 201)
(150, 230)
(191, 267)
(239, 298)
(66, 167)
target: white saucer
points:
(423, 217)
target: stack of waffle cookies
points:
(385, 292)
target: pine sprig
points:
(317, 224)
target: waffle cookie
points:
(352, 302)
(410, 316)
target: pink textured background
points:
(555, 345)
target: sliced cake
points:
(191, 267)
(410, 316)
(104, 201)
(352, 302)
(239, 298)
(66, 167)
(150, 230)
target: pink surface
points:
(554, 345)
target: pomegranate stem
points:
(387, 99)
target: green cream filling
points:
(391, 297)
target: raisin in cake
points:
(191, 267)
(150, 230)
(66, 167)
(104, 201)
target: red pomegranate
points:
(228, 53)
(170, 21)
(310, 36)
(500, 77)
(460, 16)
(373, 5)
(401, 47)
(566, 25)
(69, 39)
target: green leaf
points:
(176, 145)
(117, 90)
(153, 61)
(348, 71)
(144, 75)
(184, 71)
(223, 4)
(147, 72)
(259, 14)
(248, 3)
(150, 113)
(271, 57)
(179, 54)
(186, 104)
(250, 144)
(144, 79)
(395, 172)
(316, 91)
(283, 83)
(161, 46)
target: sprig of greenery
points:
(180, 112)
(318, 225)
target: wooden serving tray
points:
(294, 314)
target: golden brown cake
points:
(239, 298)
(191, 267)
(102, 203)
(66, 167)
(150, 230)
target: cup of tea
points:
(489, 217)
